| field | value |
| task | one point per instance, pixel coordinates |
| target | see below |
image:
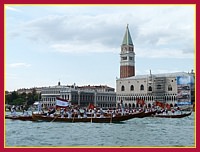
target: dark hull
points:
(88, 119)
(173, 116)
(147, 114)
(23, 118)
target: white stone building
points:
(101, 96)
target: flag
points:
(160, 104)
(91, 106)
(141, 102)
(167, 106)
(61, 103)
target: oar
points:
(111, 119)
(73, 118)
(54, 118)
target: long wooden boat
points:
(117, 118)
(20, 117)
(173, 115)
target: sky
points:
(81, 43)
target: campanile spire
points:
(127, 37)
(127, 56)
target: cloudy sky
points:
(81, 44)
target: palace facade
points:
(101, 96)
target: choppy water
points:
(140, 132)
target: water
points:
(140, 132)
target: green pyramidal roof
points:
(127, 38)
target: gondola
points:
(20, 117)
(58, 118)
(173, 115)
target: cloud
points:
(159, 30)
(80, 48)
(12, 9)
(19, 65)
(164, 53)
(11, 76)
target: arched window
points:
(158, 86)
(170, 88)
(132, 88)
(142, 87)
(150, 88)
(122, 88)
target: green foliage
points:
(22, 99)
(18, 101)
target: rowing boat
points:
(173, 115)
(109, 119)
(19, 117)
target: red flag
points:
(168, 106)
(140, 101)
(91, 106)
(160, 104)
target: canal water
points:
(137, 132)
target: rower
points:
(79, 114)
(95, 113)
(101, 113)
(122, 107)
(85, 113)
(26, 113)
(69, 113)
(113, 113)
(39, 107)
(62, 112)
(13, 110)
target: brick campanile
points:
(127, 56)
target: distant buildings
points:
(101, 96)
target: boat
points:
(108, 119)
(20, 117)
(181, 115)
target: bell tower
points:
(127, 56)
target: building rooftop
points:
(175, 74)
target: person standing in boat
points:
(122, 108)
(13, 110)
(101, 113)
(95, 112)
(79, 113)
(39, 107)
(62, 112)
(113, 113)
(85, 113)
